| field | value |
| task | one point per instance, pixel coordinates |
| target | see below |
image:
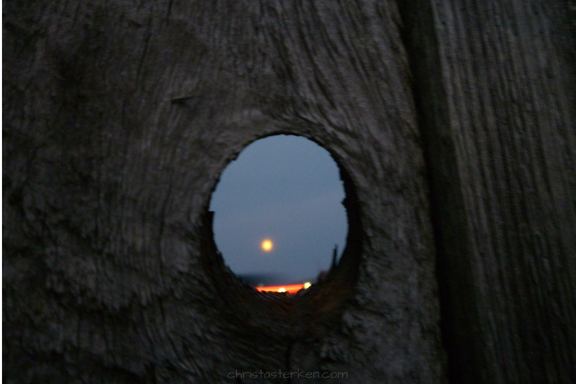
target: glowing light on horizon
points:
(292, 288)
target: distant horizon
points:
(287, 189)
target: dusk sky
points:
(286, 189)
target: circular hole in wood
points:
(279, 221)
(258, 316)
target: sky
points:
(286, 189)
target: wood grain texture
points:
(119, 117)
(495, 85)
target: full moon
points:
(267, 245)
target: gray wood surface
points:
(495, 86)
(453, 124)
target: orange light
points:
(292, 288)
(267, 245)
